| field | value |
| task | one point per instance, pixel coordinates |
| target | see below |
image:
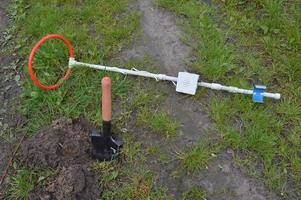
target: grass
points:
(121, 182)
(24, 181)
(195, 159)
(132, 150)
(235, 42)
(141, 186)
(158, 122)
(97, 30)
(214, 58)
(21, 185)
(244, 42)
(194, 193)
(145, 104)
(148, 97)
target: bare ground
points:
(63, 146)
(9, 89)
(222, 179)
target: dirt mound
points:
(63, 146)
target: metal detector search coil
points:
(32, 54)
(258, 93)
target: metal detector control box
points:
(187, 83)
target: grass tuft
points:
(25, 181)
(120, 182)
(21, 185)
(194, 193)
(196, 159)
(158, 122)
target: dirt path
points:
(161, 39)
(222, 179)
(9, 90)
(4, 84)
(3, 16)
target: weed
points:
(141, 186)
(159, 122)
(120, 182)
(22, 184)
(109, 171)
(132, 150)
(196, 159)
(7, 134)
(25, 181)
(145, 98)
(194, 193)
(153, 149)
(163, 158)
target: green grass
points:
(118, 181)
(24, 181)
(158, 122)
(132, 150)
(214, 57)
(244, 42)
(141, 186)
(194, 159)
(144, 104)
(194, 193)
(148, 97)
(97, 31)
(235, 42)
(21, 185)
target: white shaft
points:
(214, 86)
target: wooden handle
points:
(106, 99)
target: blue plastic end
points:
(257, 93)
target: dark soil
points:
(9, 90)
(63, 146)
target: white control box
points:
(187, 83)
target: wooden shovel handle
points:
(106, 99)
